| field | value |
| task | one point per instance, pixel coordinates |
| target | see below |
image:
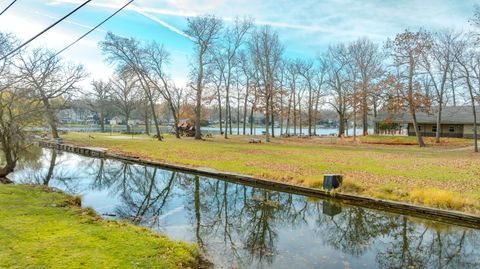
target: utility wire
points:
(91, 30)
(46, 29)
(13, 2)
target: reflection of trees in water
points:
(241, 224)
(353, 230)
(142, 193)
(399, 242)
(48, 169)
(422, 246)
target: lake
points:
(239, 226)
(321, 131)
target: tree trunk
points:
(198, 106)
(420, 141)
(475, 129)
(365, 108)
(267, 118)
(230, 118)
(51, 118)
(273, 119)
(126, 122)
(310, 104)
(341, 125)
(294, 116)
(251, 121)
(102, 122)
(439, 119)
(245, 111)
(51, 167)
(175, 120)
(287, 127)
(146, 121)
(7, 169)
(227, 111)
(4, 171)
(300, 115)
(155, 119)
(315, 119)
(219, 99)
(238, 111)
(354, 122)
(474, 110)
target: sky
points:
(305, 27)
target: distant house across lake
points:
(456, 122)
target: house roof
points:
(450, 115)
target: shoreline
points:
(450, 216)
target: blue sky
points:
(305, 27)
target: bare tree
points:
(267, 53)
(319, 90)
(248, 75)
(468, 60)
(229, 46)
(203, 31)
(51, 80)
(337, 78)
(438, 63)
(367, 63)
(407, 51)
(127, 53)
(307, 71)
(125, 94)
(293, 75)
(17, 112)
(100, 100)
(155, 60)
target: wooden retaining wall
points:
(449, 216)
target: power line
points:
(46, 29)
(8, 7)
(93, 29)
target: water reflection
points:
(245, 227)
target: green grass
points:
(41, 228)
(367, 167)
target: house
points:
(456, 122)
(76, 115)
(116, 120)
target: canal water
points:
(238, 226)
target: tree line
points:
(240, 68)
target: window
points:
(451, 129)
(419, 127)
(434, 128)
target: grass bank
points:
(443, 175)
(42, 228)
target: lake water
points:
(213, 130)
(238, 226)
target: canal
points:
(238, 226)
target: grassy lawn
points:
(41, 228)
(445, 175)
